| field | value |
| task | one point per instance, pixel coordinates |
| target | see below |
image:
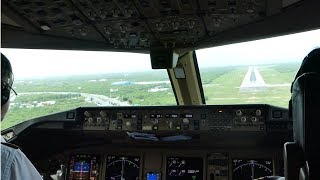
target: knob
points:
(238, 112)
(128, 123)
(102, 113)
(185, 121)
(99, 119)
(254, 119)
(86, 113)
(258, 112)
(90, 119)
(243, 119)
(155, 121)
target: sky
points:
(289, 48)
(29, 63)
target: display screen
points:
(247, 169)
(184, 168)
(153, 176)
(123, 167)
(83, 167)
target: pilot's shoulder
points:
(9, 145)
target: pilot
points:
(14, 163)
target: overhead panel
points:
(221, 15)
(173, 23)
(141, 24)
(59, 18)
(178, 31)
(119, 22)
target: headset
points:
(5, 94)
(6, 79)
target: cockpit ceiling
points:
(138, 25)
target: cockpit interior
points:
(159, 90)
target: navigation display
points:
(184, 168)
(123, 167)
(83, 167)
(247, 169)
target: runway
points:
(252, 80)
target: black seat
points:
(301, 157)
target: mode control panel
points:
(178, 118)
(144, 120)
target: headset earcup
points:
(5, 94)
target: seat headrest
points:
(306, 116)
(311, 63)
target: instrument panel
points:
(153, 176)
(184, 168)
(83, 166)
(243, 169)
(122, 167)
(171, 166)
(211, 142)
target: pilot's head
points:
(6, 84)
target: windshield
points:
(50, 81)
(256, 72)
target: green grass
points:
(278, 74)
(19, 114)
(134, 94)
(224, 89)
